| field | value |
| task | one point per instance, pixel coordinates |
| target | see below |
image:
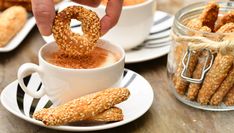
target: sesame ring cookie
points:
(72, 43)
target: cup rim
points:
(146, 2)
(121, 51)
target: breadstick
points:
(210, 15)
(215, 77)
(227, 28)
(203, 23)
(227, 18)
(194, 88)
(11, 21)
(180, 84)
(194, 24)
(229, 98)
(223, 89)
(82, 108)
(179, 52)
(110, 115)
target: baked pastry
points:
(71, 43)
(11, 21)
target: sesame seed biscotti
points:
(82, 108)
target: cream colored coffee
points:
(99, 57)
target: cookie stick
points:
(215, 77)
(210, 15)
(229, 98)
(194, 87)
(82, 108)
(179, 83)
(204, 22)
(227, 18)
(223, 89)
(228, 82)
(227, 28)
(110, 115)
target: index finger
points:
(44, 13)
(113, 11)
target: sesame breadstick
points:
(203, 23)
(179, 83)
(227, 28)
(229, 98)
(227, 18)
(110, 115)
(210, 15)
(215, 77)
(194, 24)
(223, 89)
(194, 87)
(82, 108)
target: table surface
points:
(166, 114)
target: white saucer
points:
(22, 105)
(156, 45)
(19, 37)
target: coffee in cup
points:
(99, 57)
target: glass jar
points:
(200, 62)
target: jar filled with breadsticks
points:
(200, 63)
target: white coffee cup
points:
(64, 84)
(133, 26)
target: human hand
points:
(44, 13)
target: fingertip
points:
(45, 30)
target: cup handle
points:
(25, 70)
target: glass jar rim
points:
(193, 7)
